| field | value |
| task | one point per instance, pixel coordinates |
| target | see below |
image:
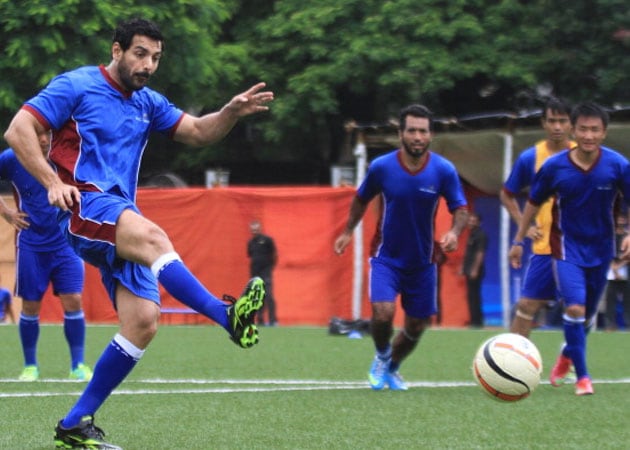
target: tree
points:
(330, 61)
(40, 41)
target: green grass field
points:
(303, 389)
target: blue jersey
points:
(583, 212)
(44, 233)
(410, 202)
(99, 129)
(523, 172)
(521, 177)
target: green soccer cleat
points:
(242, 313)
(30, 373)
(81, 373)
(85, 435)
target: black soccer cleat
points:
(85, 435)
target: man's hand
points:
(63, 196)
(516, 256)
(625, 248)
(250, 101)
(448, 243)
(17, 219)
(534, 233)
(342, 242)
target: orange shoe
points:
(560, 370)
(584, 386)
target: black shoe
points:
(85, 435)
(242, 313)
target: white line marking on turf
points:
(259, 386)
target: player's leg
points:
(573, 283)
(384, 284)
(526, 310)
(595, 286)
(74, 331)
(382, 331)
(67, 279)
(28, 326)
(31, 282)
(419, 301)
(138, 325)
(140, 240)
(539, 287)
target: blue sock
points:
(384, 354)
(575, 337)
(29, 335)
(184, 286)
(116, 362)
(74, 330)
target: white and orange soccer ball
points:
(508, 367)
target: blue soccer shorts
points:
(36, 270)
(417, 287)
(539, 282)
(92, 233)
(581, 285)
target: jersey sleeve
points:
(625, 181)
(521, 175)
(452, 189)
(5, 165)
(371, 185)
(542, 187)
(55, 102)
(166, 116)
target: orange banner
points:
(209, 229)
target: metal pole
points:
(504, 246)
(360, 154)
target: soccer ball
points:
(507, 367)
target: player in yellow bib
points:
(539, 286)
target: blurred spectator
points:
(263, 255)
(439, 258)
(474, 267)
(617, 297)
(539, 290)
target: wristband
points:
(519, 243)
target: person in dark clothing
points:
(474, 267)
(263, 255)
(617, 292)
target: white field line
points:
(243, 386)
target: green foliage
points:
(331, 60)
(395, 52)
(43, 41)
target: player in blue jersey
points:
(585, 182)
(6, 308)
(539, 286)
(101, 118)
(43, 256)
(411, 181)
